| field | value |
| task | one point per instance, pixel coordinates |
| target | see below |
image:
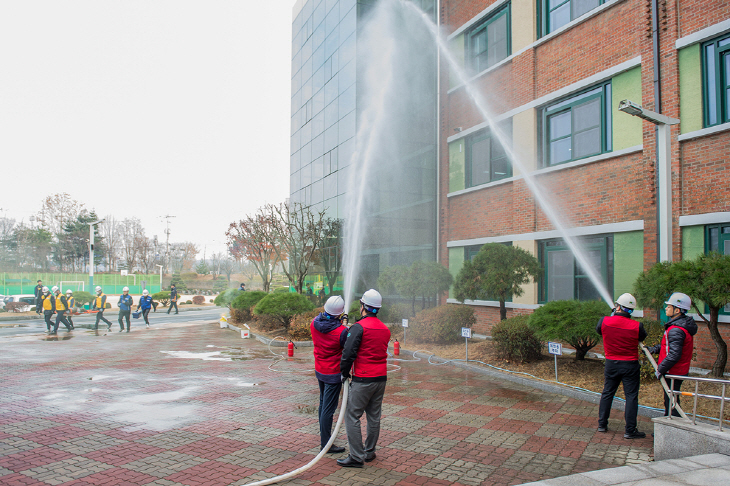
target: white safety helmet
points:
(125, 289)
(69, 291)
(145, 292)
(335, 305)
(98, 289)
(372, 299)
(626, 300)
(55, 289)
(45, 290)
(680, 301)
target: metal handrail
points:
(696, 394)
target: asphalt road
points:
(38, 326)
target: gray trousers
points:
(367, 398)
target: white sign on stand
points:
(404, 323)
(556, 349)
(466, 334)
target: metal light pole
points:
(91, 252)
(664, 167)
(160, 276)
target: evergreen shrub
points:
(283, 307)
(224, 299)
(571, 321)
(162, 297)
(442, 324)
(242, 305)
(515, 341)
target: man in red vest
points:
(366, 356)
(675, 350)
(328, 337)
(621, 336)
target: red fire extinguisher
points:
(396, 348)
(291, 349)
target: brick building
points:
(553, 73)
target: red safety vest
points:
(327, 350)
(620, 338)
(682, 366)
(372, 357)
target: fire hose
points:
(663, 381)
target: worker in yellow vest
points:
(99, 305)
(71, 303)
(61, 308)
(48, 303)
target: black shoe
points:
(176, 313)
(370, 457)
(349, 462)
(634, 435)
(336, 450)
(602, 429)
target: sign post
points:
(466, 334)
(404, 322)
(555, 349)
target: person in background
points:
(38, 292)
(173, 299)
(242, 287)
(71, 304)
(48, 304)
(99, 304)
(675, 350)
(125, 308)
(365, 356)
(145, 302)
(328, 338)
(61, 308)
(621, 337)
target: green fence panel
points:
(24, 283)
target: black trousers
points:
(60, 317)
(615, 373)
(48, 315)
(100, 317)
(329, 395)
(170, 308)
(667, 399)
(146, 315)
(124, 314)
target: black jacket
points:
(675, 340)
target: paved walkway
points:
(193, 404)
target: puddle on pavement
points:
(225, 354)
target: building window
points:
(565, 279)
(577, 127)
(717, 238)
(486, 159)
(557, 13)
(489, 42)
(716, 80)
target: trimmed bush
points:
(81, 298)
(162, 297)
(654, 330)
(198, 300)
(188, 301)
(571, 321)
(107, 306)
(283, 307)
(354, 313)
(242, 305)
(515, 341)
(299, 329)
(394, 313)
(224, 299)
(442, 324)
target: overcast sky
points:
(144, 108)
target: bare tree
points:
(250, 239)
(132, 238)
(7, 230)
(55, 212)
(228, 266)
(110, 230)
(182, 256)
(330, 251)
(148, 255)
(297, 234)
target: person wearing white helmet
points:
(48, 304)
(621, 337)
(125, 308)
(328, 337)
(145, 302)
(99, 304)
(61, 308)
(677, 345)
(71, 304)
(365, 356)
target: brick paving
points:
(198, 406)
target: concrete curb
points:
(271, 342)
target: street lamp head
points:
(93, 223)
(635, 109)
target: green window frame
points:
(486, 159)
(716, 81)
(564, 279)
(554, 14)
(717, 238)
(491, 41)
(577, 127)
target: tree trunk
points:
(718, 368)
(413, 306)
(580, 353)
(502, 310)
